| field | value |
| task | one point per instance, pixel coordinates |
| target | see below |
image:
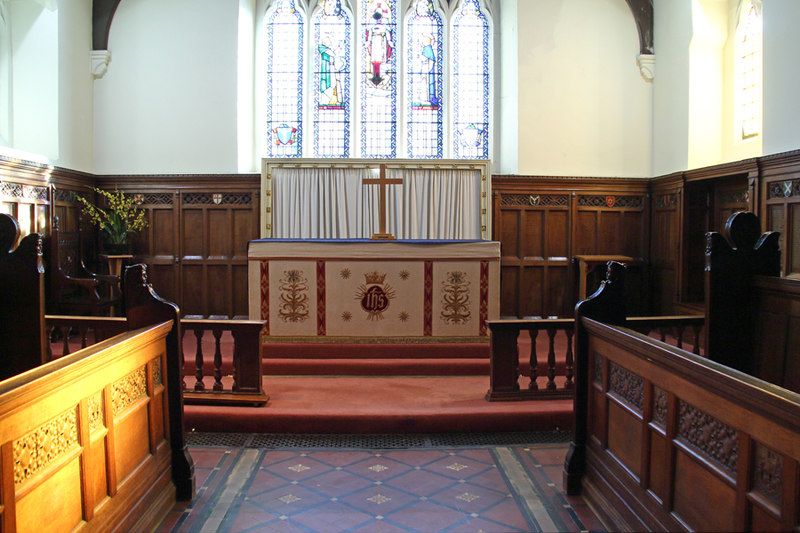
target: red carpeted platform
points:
(377, 388)
(347, 404)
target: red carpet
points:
(380, 405)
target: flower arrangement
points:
(121, 218)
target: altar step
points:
(380, 405)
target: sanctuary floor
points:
(380, 483)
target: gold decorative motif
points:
(345, 273)
(40, 447)
(294, 297)
(127, 390)
(96, 412)
(375, 295)
(157, 377)
(404, 275)
(347, 316)
(403, 316)
(455, 298)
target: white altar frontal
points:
(374, 291)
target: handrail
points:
(505, 371)
(245, 366)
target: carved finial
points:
(9, 233)
(743, 230)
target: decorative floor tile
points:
(491, 489)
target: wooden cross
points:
(382, 181)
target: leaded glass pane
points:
(378, 82)
(424, 73)
(470, 82)
(750, 73)
(331, 84)
(284, 29)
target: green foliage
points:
(120, 218)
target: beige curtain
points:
(333, 203)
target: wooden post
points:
(382, 182)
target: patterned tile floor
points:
(436, 489)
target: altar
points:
(361, 290)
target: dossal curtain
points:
(334, 203)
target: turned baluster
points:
(679, 333)
(533, 361)
(696, 328)
(570, 359)
(551, 359)
(84, 332)
(65, 338)
(198, 361)
(217, 359)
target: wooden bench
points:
(23, 344)
(667, 440)
(95, 439)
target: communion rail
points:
(218, 378)
(547, 379)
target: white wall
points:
(75, 99)
(584, 108)
(672, 36)
(35, 78)
(781, 76)
(168, 101)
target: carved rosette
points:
(43, 445)
(660, 407)
(767, 473)
(128, 390)
(626, 385)
(708, 435)
(96, 412)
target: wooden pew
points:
(94, 439)
(666, 440)
(23, 344)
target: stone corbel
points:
(100, 59)
(647, 66)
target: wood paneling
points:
(89, 453)
(721, 453)
(543, 222)
(196, 243)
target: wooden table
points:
(115, 262)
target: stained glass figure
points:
(331, 80)
(378, 83)
(470, 81)
(424, 62)
(284, 35)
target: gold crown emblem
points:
(374, 277)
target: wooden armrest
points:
(88, 283)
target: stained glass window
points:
(470, 81)
(357, 72)
(378, 83)
(748, 67)
(424, 73)
(285, 83)
(332, 58)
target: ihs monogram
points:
(375, 295)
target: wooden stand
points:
(115, 262)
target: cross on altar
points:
(382, 181)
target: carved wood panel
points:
(542, 223)
(196, 242)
